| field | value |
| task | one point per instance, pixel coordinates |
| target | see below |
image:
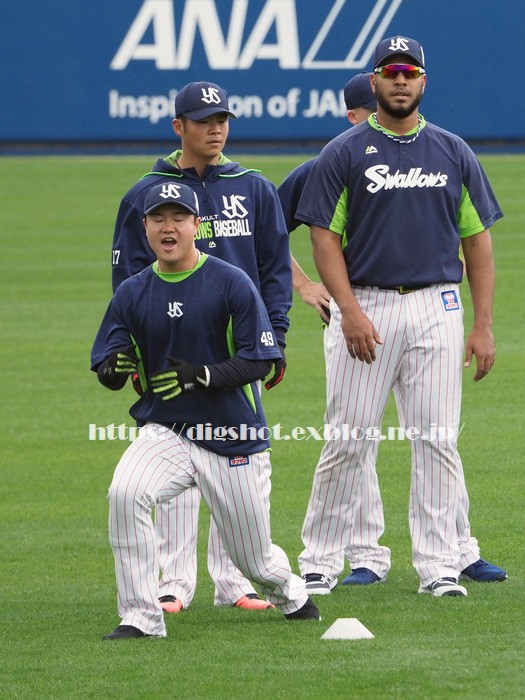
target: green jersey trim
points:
(164, 174)
(392, 133)
(172, 160)
(174, 277)
(468, 219)
(248, 170)
(340, 217)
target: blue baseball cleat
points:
(361, 577)
(483, 572)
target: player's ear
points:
(178, 127)
(352, 117)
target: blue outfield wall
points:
(105, 71)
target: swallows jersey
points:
(400, 206)
(219, 314)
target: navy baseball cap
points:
(398, 46)
(358, 93)
(201, 99)
(171, 193)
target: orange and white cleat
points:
(170, 604)
(253, 602)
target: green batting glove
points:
(183, 377)
(114, 371)
(126, 362)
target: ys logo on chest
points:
(175, 309)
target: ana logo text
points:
(171, 33)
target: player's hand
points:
(279, 370)
(137, 385)
(316, 295)
(125, 361)
(179, 378)
(114, 371)
(361, 336)
(480, 343)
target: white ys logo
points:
(381, 178)
(211, 96)
(399, 44)
(234, 207)
(170, 191)
(175, 309)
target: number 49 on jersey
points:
(267, 338)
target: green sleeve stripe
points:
(469, 222)
(340, 217)
(232, 350)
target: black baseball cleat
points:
(309, 611)
(126, 632)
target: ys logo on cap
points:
(211, 96)
(170, 191)
(399, 44)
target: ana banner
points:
(105, 71)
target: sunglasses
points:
(409, 72)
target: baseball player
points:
(370, 561)
(388, 203)
(197, 331)
(242, 223)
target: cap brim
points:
(197, 114)
(390, 59)
(163, 204)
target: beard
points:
(401, 111)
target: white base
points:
(347, 628)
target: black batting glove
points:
(179, 378)
(279, 370)
(114, 371)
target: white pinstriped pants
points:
(177, 525)
(421, 360)
(157, 467)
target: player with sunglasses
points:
(389, 202)
(391, 71)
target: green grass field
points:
(58, 594)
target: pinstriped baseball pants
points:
(158, 466)
(421, 360)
